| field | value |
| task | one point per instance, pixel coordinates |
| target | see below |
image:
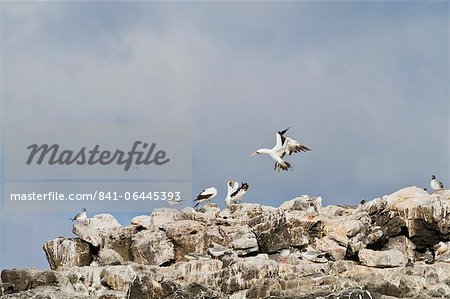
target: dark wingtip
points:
(284, 131)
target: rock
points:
(210, 209)
(121, 240)
(295, 223)
(162, 216)
(145, 288)
(206, 273)
(88, 234)
(425, 215)
(194, 291)
(381, 259)
(109, 257)
(104, 224)
(330, 246)
(253, 251)
(118, 278)
(246, 211)
(152, 248)
(143, 221)
(46, 292)
(402, 244)
(67, 253)
(241, 239)
(242, 273)
(271, 231)
(189, 237)
(25, 279)
(265, 288)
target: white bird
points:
(441, 248)
(206, 195)
(312, 211)
(284, 145)
(80, 217)
(435, 184)
(174, 201)
(237, 195)
(232, 187)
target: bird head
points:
(433, 177)
(254, 154)
(83, 210)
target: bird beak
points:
(253, 154)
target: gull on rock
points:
(80, 217)
(441, 248)
(435, 184)
(174, 201)
(284, 145)
(312, 211)
(206, 195)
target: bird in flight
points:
(284, 145)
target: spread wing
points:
(280, 139)
(293, 146)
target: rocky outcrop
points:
(254, 251)
(62, 252)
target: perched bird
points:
(235, 192)
(441, 248)
(284, 145)
(217, 250)
(80, 217)
(174, 201)
(409, 267)
(435, 184)
(239, 193)
(312, 211)
(428, 256)
(410, 263)
(312, 255)
(206, 195)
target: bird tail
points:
(283, 166)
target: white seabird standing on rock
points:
(232, 187)
(435, 184)
(205, 195)
(237, 195)
(441, 248)
(284, 145)
(80, 217)
(312, 211)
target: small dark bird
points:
(80, 217)
(410, 263)
(428, 256)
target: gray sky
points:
(364, 84)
